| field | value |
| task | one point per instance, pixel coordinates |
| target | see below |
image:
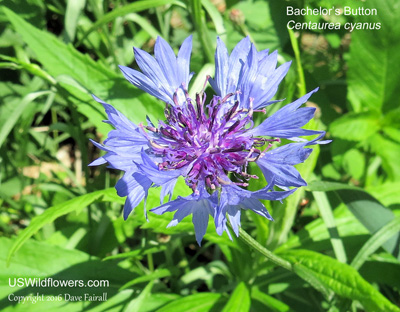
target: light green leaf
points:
(323, 186)
(387, 193)
(74, 9)
(206, 273)
(374, 54)
(355, 126)
(354, 163)
(216, 18)
(138, 303)
(240, 300)
(341, 278)
(389, 151)
(194, 303)
(144, 24)
(199, 21)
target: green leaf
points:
(269, 301)
(144, 24)
(315, 235)
(355, 126)
(371, 213)
(138, 303)
(154, 301)
(325, 210)
(206, 273)
(354, 163)
(74, 9)
(134, 7)
(376, 241)
(374, 54)
(341, 278)
(240, 300)
(382, 269)
(323, 186)
(216, 18)
(301, 84)
(160, 273)
(14, 111)
(63, 60)
(50, 214)
(387, 193)
(138, 252)
(199, 21)
(389, 151)
(194, 303)
(40, 260)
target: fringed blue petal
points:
(287, 121)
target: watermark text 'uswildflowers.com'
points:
(50, 282)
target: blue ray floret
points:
(210, 144)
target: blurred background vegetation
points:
(61, 219)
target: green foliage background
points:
(338, 239)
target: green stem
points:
(250, 241)
(201, 28)
(150, 262)
(302, 82)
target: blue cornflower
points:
(210, 144)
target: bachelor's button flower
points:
(209, 144)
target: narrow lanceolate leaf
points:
(73, 205)
(240, 299)
(376, 241)
(369, 211)
(74, 9)
(269, 301)
(216, 18)
(340, 278)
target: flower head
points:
(210, 143)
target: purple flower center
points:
(207, 142)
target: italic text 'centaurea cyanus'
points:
(210, 142)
